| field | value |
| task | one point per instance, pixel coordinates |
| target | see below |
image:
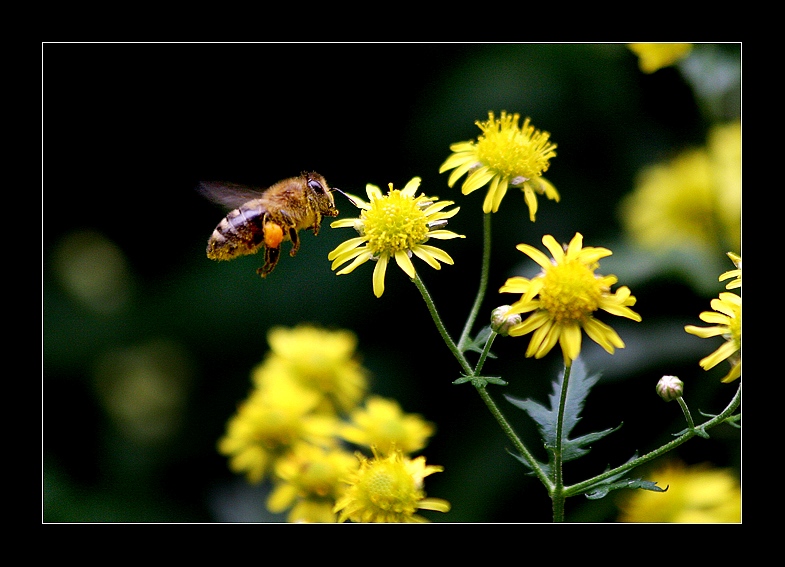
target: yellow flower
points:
(383, 425)
(395, 225)
(727, 319)
(388, 490)
(319, 360)
(691, 201)
(563, 298)
(655, 56)
(267, 424)
(309, 481)
(506, 156)
(697, 494)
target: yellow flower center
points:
(389, 487)
(513, 152)
(394, 223)
(570, 291)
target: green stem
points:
(494, 409)
(441, 328)
(484, 354)
(557, 494)
(686, 436)
(686, 411)
(486, 263)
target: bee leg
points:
(317, 224)
(271, 255)
(295, 241)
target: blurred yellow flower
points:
(655, 56)
(388, 489)
(309, 481)
(506, 156)
(697, 494)
(691, 201)
(320, 360)
(382, 424)
(564, 297)
(267, 424)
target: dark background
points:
(130, 129)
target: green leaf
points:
(580, 383)
(603, 489)
(733, 420)
(573, 448)
(544, 466)
(477, 344)
(480, 381)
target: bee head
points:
(322, 194)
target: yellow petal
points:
(378, 275)
(515, 284)
(405, 263)
(498, 192)
(532, 322)
(346, 246)
(458, 172)
(444, 234)
(411, 187)
(477, 179)
(433, 253)
(602, 334)
(535, 255)
(531, 201)
(555, 248)
(705, 332)
(570, 340)
(361, 258)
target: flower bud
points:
(501, 322)
(670, 388)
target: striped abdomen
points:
(240, 232)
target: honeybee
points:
(266, 218)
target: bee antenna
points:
(352, 201)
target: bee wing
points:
(230, 195)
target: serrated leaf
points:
(544, 466)
(480, 381)
(578, 388)
(573, 448)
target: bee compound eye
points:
(316, 186)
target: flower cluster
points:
(307, 408)
(297, 425)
